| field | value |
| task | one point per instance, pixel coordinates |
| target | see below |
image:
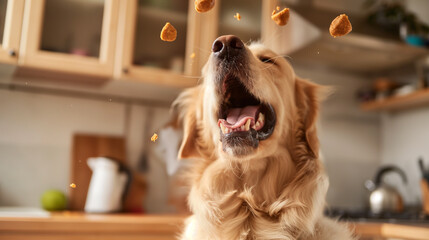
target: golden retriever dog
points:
(251, 128)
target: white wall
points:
(420, 8)
(35, 140)
(349, 137)
(36, 137)
(405, 137)
(144, 122)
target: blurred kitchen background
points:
(91, 78)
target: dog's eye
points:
(266, 59)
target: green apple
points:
(54, 200)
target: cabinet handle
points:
(125, 70)
(12, 53)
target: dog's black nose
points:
(227, 43)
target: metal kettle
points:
(384, 197)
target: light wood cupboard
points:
(119, 39)
(72, 36)
(107, 39)
(11, 13)
(142, 56)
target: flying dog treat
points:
(204, 5)
(340, 26)
(154, 137)
(168, 33)
(72, 185)
(237, 16)
(192, 55)
(282, 17)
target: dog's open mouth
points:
(242, 116)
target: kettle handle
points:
(386, 169)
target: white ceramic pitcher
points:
(106, 187)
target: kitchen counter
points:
(81, 226)
(415, 231)
(74, 225)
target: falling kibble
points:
(154, 137)
(282, 17)
(204, 5)
(72, 185)
(237, 16)
(168, 33)
(278, 8)
(192, 55)
(340, 26)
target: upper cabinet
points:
(120, 39)
(11, 12)
(72, 36)
(143, 56)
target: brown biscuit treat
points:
(204, 5)
(168, 33)
(340, 26)
(237, 16)
(154, 137)
(282, 17)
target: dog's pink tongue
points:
(238, 116)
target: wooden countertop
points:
(415, 231)
(127, 226)
(71, 221)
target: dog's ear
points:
(184, 112)
(188, 149)
(307, 98)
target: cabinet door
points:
(143, 56)
(72, 36)
(11, 12)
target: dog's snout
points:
(227, 43)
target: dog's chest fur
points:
(240, 201)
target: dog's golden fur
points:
(275, 192)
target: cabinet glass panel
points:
(149, 49)
(248, 28)
(72, 26)
(3, 6)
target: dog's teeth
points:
(247, 125)
(261, 117)
(257, 124)
(223, 128)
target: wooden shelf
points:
(417, 98)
